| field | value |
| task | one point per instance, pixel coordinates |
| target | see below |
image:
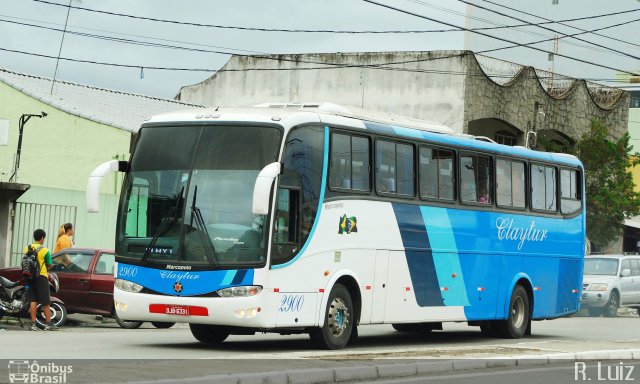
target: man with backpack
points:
(38, 278)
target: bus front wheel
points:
(208, 334)
(515, 326)
(338, 321)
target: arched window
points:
(505, 137)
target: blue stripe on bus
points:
(323, 187)
(239, 277)
(228, 277)
(419, 257)
(192, 283)
(446, 258)
(468, 143)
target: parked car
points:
(611, 282)
(86, 282)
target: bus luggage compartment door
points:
(379, 291)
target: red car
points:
(86, 282)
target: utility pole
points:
(21, 123)
(64, 32)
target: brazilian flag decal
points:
(348, 225)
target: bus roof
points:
(289, 115)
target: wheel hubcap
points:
(517, 312)
(338, 317)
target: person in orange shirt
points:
(64, 238)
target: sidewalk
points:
(369, 373)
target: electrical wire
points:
(517, 28)
(552, 30)
(563, 22)
(572, 35)
(493, 37)
(265, 55)
(322, 30)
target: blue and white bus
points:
(318, 219)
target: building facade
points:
(470, 93)
(83, 127)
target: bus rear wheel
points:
(515, 326)
(208, 334)
(338, 321)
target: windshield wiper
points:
(209, 248)
(167, 221)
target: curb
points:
(388, 371)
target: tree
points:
(609, 183)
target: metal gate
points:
(31, 216)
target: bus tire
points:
(515, 326)
(338, 321)
(208, 334)
(162, 324)
(126, 324)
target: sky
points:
(351, 15)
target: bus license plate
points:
(177, 310)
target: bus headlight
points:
(128, 286)
(597, 287)
(243, 291)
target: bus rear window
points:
(570, 188)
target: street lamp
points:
(23, 120)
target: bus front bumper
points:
(232, 311)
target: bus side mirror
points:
(262, 188)
(95, 180)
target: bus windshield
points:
(188, 196)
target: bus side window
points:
(349, 162)
(543, 188)
(385, 166)
(570, 196)
(436, 173)
(510, 187)
(475, 179)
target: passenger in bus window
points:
(483, 194)
(388, 185)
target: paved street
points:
(84, 337)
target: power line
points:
(572, 35)
(563, 22)
(157, 45)
(493, 37)
(323, 30)
(131, 41)
(327, 66)
(114, 33)
(527, 24)
(237, 27)
(455, 29)
(549, 29)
